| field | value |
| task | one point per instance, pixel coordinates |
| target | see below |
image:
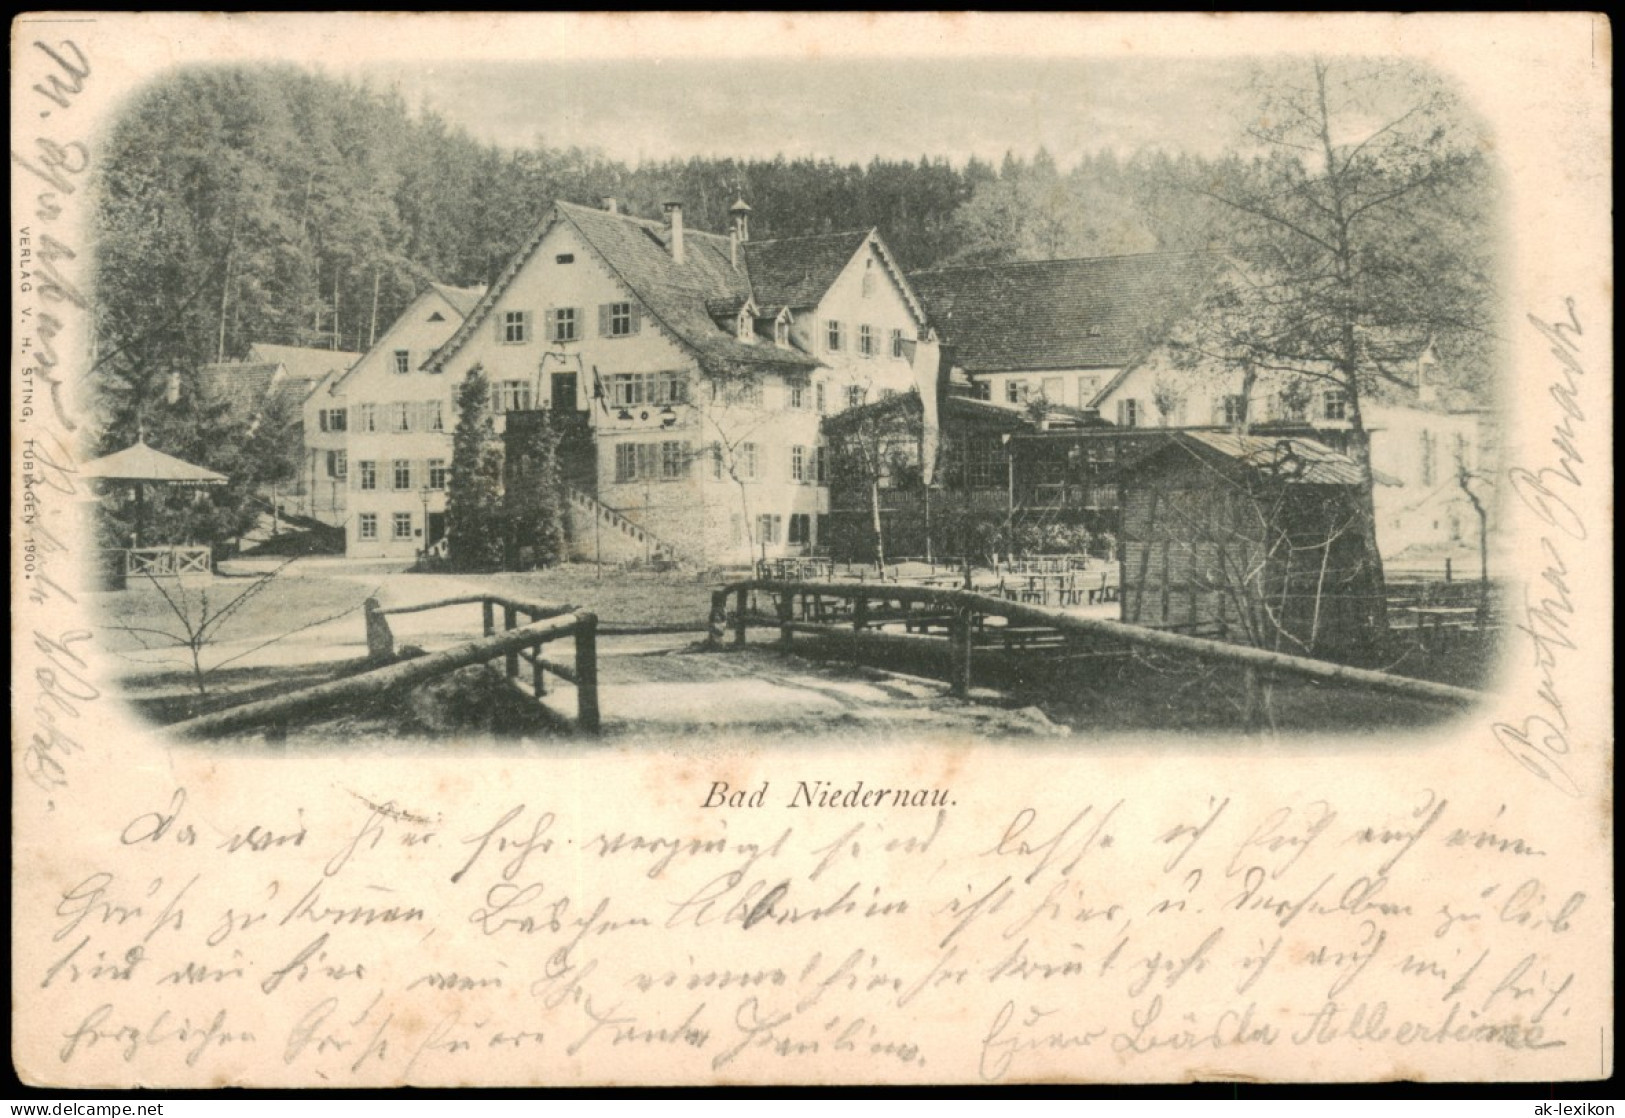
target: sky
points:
(848, 109)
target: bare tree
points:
(1359, 234)
(198, 622)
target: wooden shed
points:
(1252, 538)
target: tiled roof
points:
(462, 299)
(242, 385)
(305, 367)
(796, 271)
(1060, 314)
(678, 296)
(1296, 461)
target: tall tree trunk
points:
(874, 512)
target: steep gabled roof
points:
(796, 271)
(1295, 461)
(305, 368)
(678, 296)
(1061, 314)
(243, 385)
(462, 299)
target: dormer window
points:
(781, 332)
(743, 328)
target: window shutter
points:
(420, 473)
(1122, 413)
(496, 397)
(637, 318)
(551, 320)
(499, 324)
(321, 419)
(530, 326)
(603, 320)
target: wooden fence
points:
(513, 644)
(930, 614)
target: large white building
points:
(699, 366)
(397, 420)
(1091, 335)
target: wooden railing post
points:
(860, 613)
(739, 616)
(510, 621)
(538, 675)
(959, 661)
(587, 673)
(718, 621)
(786, 603)
(489, 611)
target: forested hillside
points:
(270, 204)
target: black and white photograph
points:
(564, 550)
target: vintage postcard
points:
(570, 550)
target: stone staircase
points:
(598, 531)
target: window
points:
(337, 466)
(897, 344)
(747, 394)
(400, 416)
(626, 462)
(797, 394)
(781, 332)
(1235, 410)
(511, 395)
(832, 336)
(627, 389)
(798, 464)
(403, 473)
(403, 361)
(514, 327)
(565, 258)
(820, 463)
(673, 461)
(866, 340)
(403, 525)
(671, 388)
(984, 463)
(854, 395)
(1129, 413)
(630, 390)
(800, 528)
(332, 419)
(747, 462)
(434, 415)
(368, 474)
(1015, 391)
(767, 527)
(366, 526)
(616, 320)
(981, 390)
(818, 398)
(366, 417)
(1335, 404)
(744, 329)
(437, 473)
(561, 324)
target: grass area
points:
(284, 604)
(619, 598)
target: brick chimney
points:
(674, 220)
(612, 205)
